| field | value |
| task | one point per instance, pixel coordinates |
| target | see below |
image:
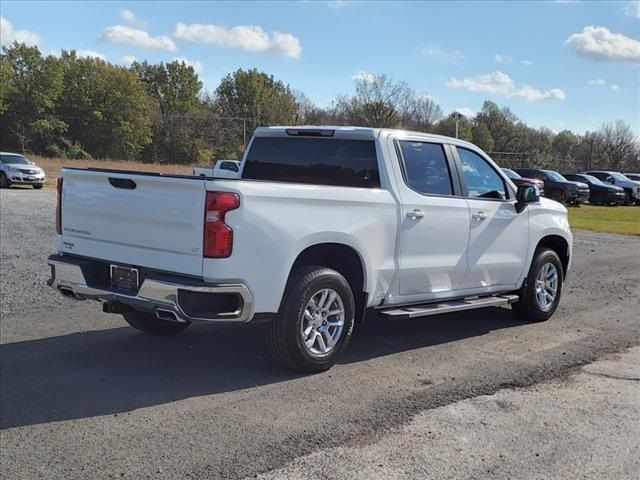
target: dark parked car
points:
(557, 187)
(599, 192)
(631, 187)
(519, 180)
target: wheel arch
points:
(560, 245)
(344, 259)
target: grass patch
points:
(621, 220)
(52, 166)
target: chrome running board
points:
(451, 306)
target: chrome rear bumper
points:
(154, 295)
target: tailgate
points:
(134, 218)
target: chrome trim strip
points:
(160, 294)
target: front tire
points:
(37, 186)
(540, 294)
(4, 181)
(315, 321)
(148, 323)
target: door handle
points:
(479, 216)
(415, 214)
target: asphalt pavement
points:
(82, 395)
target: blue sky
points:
(565, 64)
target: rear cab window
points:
(315, 161)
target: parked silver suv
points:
(17, 169)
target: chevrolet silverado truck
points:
(322, 226)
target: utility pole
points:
(457, 116)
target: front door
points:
(499, 235)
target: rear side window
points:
(425, 168)
(316, 161)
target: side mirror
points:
(610, 180)
(526, 194)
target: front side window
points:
(481, 179)
(425, 168)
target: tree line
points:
(77, 107)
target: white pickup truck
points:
(323, 225)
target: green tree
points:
(175, 89)
(447, 127)
(564, 144)
(258, 98)
(482, 137)
(31, 86)
(501, 125)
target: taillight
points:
(218, 236)
(59, 207)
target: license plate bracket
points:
(124, 279)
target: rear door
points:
(498, 234)
(434, 222)
(133, 218)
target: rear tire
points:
(311, 331)
(4, 181)
(38, 186)
(536, 304)
(148, 323)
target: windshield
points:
(592, 179)
(14, 160)
(511, 174)
(555, 176)
(619, 176)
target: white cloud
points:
(127, 15)
(8, 34)
(499, 83)
(501, 58)
(249, 37)
(90, 54)
(128, 60)
(526, 63)
(465, 111)
(599, 43)
(615, 88)
(632, 9)
(434, 51)
(366, 77)
(598, 82)
(137, 37)
(195, 64)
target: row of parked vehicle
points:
(597, 187)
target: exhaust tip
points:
(167, 315)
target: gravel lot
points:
(83, 396)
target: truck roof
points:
(351, 132)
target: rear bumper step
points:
(167, 300)
(449, 306)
